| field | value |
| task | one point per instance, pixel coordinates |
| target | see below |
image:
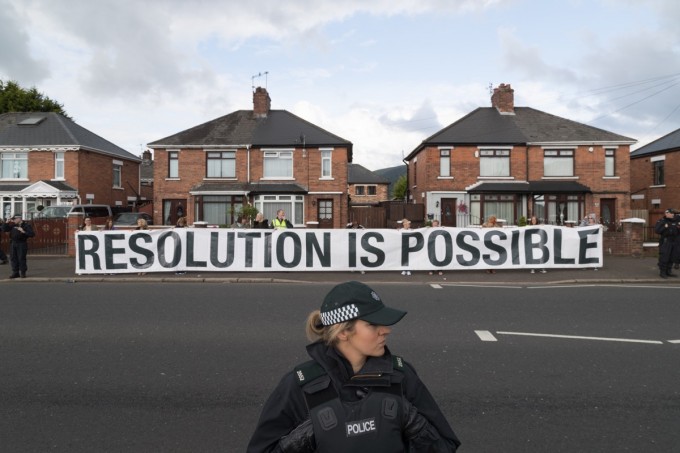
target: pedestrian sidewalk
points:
(616, 269)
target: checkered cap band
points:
(341, 314)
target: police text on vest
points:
(360, 427)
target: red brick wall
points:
(89, 172)
(642, 178)
(588, 166)
(306, 171)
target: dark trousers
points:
(3, 257)
(668, 249)
(17, 254)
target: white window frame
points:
(278, 158)
(560, 156)
(293, 205)
(173, 163)
(326, 163)
(117, 174)
(498, 155)
(610, 162)
(227, 164)
(445, 162)
(19, 163)
(59, 165)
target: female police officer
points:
(354, 395)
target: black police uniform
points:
(352, 412)
(18, 247)
(669, 244)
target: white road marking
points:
(483, 286)
(674, 341)
(577, 337)
(436, 286)
(485, 335)
(603, 286)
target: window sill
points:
(445, 177)
(58, 179)
(219, 179)
(117, 188)
(326, 178)
(560, 177)
(503, 178)
(661, 186)
(14, 179)
(611, 177)
(278, 178)
(173, 179)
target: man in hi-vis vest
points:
(280, 222)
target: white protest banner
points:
(246, 250)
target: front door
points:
(448, 212)
(324, 212)
(608, 213)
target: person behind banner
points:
(280, 222)
(260, 222)
(354, 395)
(19, 232)
(238, 223)
(87, 225)
(667, 227)
(354, 225)
(108, 225)
(142, 225)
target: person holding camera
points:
(19, 232)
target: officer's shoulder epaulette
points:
(308, 371)
(398, 362)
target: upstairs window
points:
(14, 165)
(445, 162)
(326, 163)
(494, 162)
(558, 162)
(173, 164)
(278, 164)
(59, 165)
(117, 175)
(221, 164)
(359, 190)
(609, 162)
(658, 173)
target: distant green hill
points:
(391, 174)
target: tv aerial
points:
(259, 74)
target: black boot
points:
(670, 274)
(14, 276)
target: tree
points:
(13, 98)
(400, 188)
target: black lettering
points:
(352, 252)
(514, 246)
(557, 247)
(488, 243)
(112, 251)
(530, 246)
(280, 249)
(432, 251)
(407, 249)
(176, 249)
(215, 249)
(249, 237)
(135, 247)
(83, 251)
(584, 245)
(367, 247)
(267, 250)
(471, 249)
(313, 245)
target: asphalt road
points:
(185, 367)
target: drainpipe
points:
(408, 186)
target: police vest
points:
(371, 424)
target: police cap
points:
(355, 300)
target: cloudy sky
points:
(384, 74)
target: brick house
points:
(271, 159)
(515, 162)
(651, 188)
(48, 159)
(366, 188)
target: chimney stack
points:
(262, 103)
(146, 156)
(503, 98)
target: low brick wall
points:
(627, 242)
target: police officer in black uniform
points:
(19, 232)
(354, 395)
(669, 244)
